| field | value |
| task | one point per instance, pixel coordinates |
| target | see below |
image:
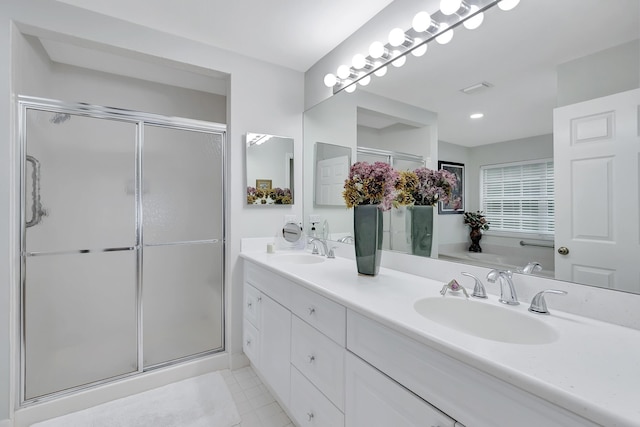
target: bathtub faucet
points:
(507, 290)
(532, 267)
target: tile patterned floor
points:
(256, 405)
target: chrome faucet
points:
(507, 290)
(532, 267)
(346, 239)
(323, 244)
(478, 289)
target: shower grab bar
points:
(82, 251)
(541, 245)
(36, 209)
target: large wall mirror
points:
(269, 166)
(555, 93)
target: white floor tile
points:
(255, 404)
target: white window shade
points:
(519, 197)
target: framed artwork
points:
(263, 184)
(456, 204)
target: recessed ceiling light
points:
(476, 116)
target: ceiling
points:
(517, 52)
(290, 33)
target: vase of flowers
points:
(421, 190)
(370, 189)
(477, 222)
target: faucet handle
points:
(331, 253)
(478, 290)
(538, 303)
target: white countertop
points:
(592, 369)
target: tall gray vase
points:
(420, 219)
(367, 226)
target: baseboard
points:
(84, 399)
(237, 361)
(6, 423)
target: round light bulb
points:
(330, 80)
(380, 71)
(396, 37)
(365, 80)
(358, 61)
(350, 89)
(376, 50)
(421, 50)
(344, 71)
(508, 4)
(399, 62)
(449, 7)
(444, 37)
(421, 22)
(476, 21)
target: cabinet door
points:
(275, 347)
(373, 400)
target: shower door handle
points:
(36, 208)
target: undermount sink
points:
(299, 258)
(484, 320)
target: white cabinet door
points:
(373, 400)
(275, 347)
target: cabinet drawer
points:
(372, 399)
(277, 287)
(250, 342)
(309, 406)
(320, 360)
(251, 307)
(320, 312)
(465, 393)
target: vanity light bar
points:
(438, 26)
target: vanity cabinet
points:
(472, 396)
(295, 339)
(375, 400)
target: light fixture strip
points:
(437, 17)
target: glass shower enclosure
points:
(122, 245)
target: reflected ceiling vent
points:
(476, 88)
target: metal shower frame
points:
(140, 119)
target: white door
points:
(596, 155)
(330, 177)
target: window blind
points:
(519, 197)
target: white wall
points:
(610, 71)
(451, 226)
(249, 80)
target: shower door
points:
(79, 278)
(122, 244)
(182, 229)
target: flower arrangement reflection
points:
(425, 187)
(476, 220)
(273, 196)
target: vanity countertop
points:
(592, 369)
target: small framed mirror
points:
(270, 169)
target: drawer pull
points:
(249, 304)
(311, 311)
(309, 416)
(259, 299)
(248, 342)
(311, 359)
